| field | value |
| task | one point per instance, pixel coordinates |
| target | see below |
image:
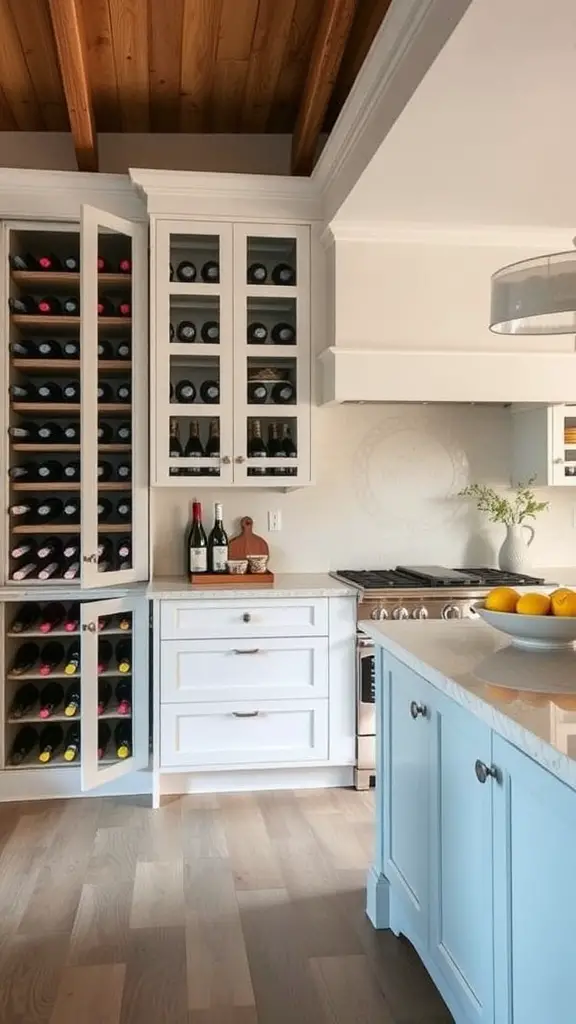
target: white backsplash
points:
(387, 480)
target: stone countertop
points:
(563, 575)
(529, 698)
(292, 584)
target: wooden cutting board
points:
(247, 542)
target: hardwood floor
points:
(240, 909)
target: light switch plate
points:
(274, 520)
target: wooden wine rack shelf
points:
(29, 278)
(34, 718)
(36, 677)
(58, 322)
(67, 365)
(104, 528)
(107, 485)
(35, 634)
(43, 408)
(69, 448)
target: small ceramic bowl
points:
(238, 566)
(257, 563)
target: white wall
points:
(420, 295)
(250, 154)
(386, 493)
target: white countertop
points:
(527, 697)
(291, 584)
(563, 575)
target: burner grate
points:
(394, 579)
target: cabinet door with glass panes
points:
(193, 389)
(75, 467)
(76, 687)
(271, 355)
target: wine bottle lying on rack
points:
(51, 656)
(50, 739)
(123, 694)
(53, 615)
(24, 701)
(72, 659)
(72, 620)
(72, 743)
(25, 659)
(26, 618)
(72, 700)
(51, 697)
(104, 695)
(25, 742)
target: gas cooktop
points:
(413, 577)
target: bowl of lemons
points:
(543, 622)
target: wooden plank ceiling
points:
(181, 66)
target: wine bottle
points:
(257, 392)
(25, 742)
(105, 349)
(125, 622)
(123, 393)
(23, 261)
(211, 272)
(26, 618)
(124, 433)
(102, 265)
(49, 510)
(172, 333)
(104, 471)
(51, 655)
(194, 449)
(275, 448)
(256, 448)
(105, 307)
(51, 433)
(104, 655)
(26, 548)
(71, 306)
(24, 701)
(124, 656)
(186, 331)
(50, 739)
(51, 697)
(71, 264)
(71, 391)
(23, 306)
(24, 432)
(49, 263)
(283, 334)
(284, 274)
(71, 349)
(72, 743)
(124, 550)
(23, 392)
(53, 570)
(196, 542)
(124, 350)
(104, 509)
(72, 471)
(257, 273)
(24, 474)
(124, 309)
(104, 392)
(185, 391)
(217, 543)
(125, 266)
(175, 450)
(105, 433)
(71, 433)
(49, 349)
(23, 349)
(50, 471)
(186, 271)
(51, 548)
(104, 735)
(23, 513)
(104, 695)
(257, 333)
(49, 306)
(71, 510)
(71, 549)
(72, 570)
(49, 392)
(25, 571)
(210, 332)
(283, 393)
(72, 620)
(72, 658)
(72, 700)
(124, 471)
(123, 694)
(124, 508)
(210, 391)
(289, 449)
(123, 740)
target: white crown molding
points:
(23, 180)
(482, 235)
(59, 195)
(409, 39)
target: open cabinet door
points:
(114, 689)
(114, 383)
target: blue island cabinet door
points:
(406, 732)
(461, 936)
(534, 892)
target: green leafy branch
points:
(510, 511)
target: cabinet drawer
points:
(209, 670)
(232, 733)
(266, 616)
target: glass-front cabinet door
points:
(271, 355)
(192, 263)
(114, 387)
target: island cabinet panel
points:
(461, 941)
(406, 748)
(534, 892)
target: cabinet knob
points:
(226, 460)
(483, 772)
(240, 458)
(558, 461)
(417, 709)
(89, 627)
(246, 617)
(90, 558)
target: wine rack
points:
(58, 623)
(88, 356)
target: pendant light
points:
(536, 296)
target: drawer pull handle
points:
(250, 650)
(245, 714)
(246, 617)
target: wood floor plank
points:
(224, 1015)
(92, 995)
(158, 898)
(114, 854)
(218, 974)
(252, 857)
(203, 833)
(101, 929)
(155, 985)
(348, 991)
(338, 839)
(30, 972)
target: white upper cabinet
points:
(231, 400)
(544, 445)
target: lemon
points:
(502, 599)
(564, 603)
(533, 604)
(559, 593)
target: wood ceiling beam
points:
(329, 45)
(71, 48)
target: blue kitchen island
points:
(476, 817)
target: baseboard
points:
(53, 783)
(251, 780)
(378, 899)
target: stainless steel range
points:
(409, 592)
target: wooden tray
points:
(229, 579)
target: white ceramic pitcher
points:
(514, 555)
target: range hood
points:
(384, 375)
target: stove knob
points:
(451, 611)
(382, 613)
(400, 613)
(420, 613)
(374, 613)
